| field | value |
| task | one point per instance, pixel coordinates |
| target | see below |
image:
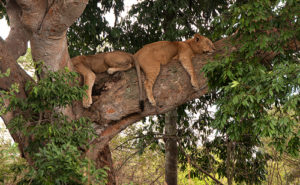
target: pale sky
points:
(4, 29)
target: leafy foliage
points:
(257, 96)
(90, 31)
(6, 94)
(9, 158)
(151, 21)
(26, 62)
(3, 10)
(54, 143)
(49, 93)
(63, 164)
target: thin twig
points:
(156, 179)
(125, 161)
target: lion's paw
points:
(111, 71)
(196, 87)
(153, 102)
(86, 103)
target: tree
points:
(251, 81)
(171, 147)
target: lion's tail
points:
(138, 71)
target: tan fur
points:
(151, 56)
(109, 62)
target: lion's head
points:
(201, 44)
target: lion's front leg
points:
(89, 80)
(188, 66)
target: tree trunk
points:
(229, 162)
(105, 159)
(171, 154)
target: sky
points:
(4, 29)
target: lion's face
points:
(201, 44)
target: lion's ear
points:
(197, 37)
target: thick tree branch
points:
(116, 105)
(49, 43)
(116, 102)
(18, 35)
(48, 22)
(61, 15)
(17, 76)
(32, 13)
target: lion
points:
(153, 55)
(109, 62)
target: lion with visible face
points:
(109, 62)
(151, 56)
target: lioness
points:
(109, 62)
(151, 56)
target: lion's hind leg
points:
(151, 73)
(89, 80)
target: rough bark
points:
(171, 154)
(19, 35)
(105, 159)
